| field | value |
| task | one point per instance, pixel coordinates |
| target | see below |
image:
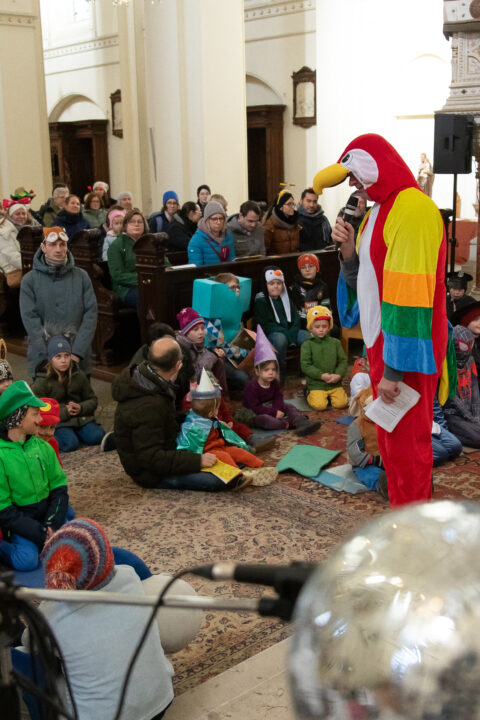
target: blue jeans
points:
(445, 447)
(280, 342)
(131, 298)
(70, 438)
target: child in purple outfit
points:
(264, 396)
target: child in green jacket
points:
(323, 362)
(33, 486)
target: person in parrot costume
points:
(397, 267)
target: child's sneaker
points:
(261, 476)
(306, 427)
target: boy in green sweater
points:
(323, 362)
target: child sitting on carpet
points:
(49, 419)
(264, 396)
(191, 338)
(278, 316)
(33, 486)
(203, 432)
(6, 376)
(323, 361)
(60, 378)
(97, 640)
(463, 412)
(308, 289)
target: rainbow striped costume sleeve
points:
(413, 233)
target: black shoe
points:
(382, 485)
(108, 442)
(307, 428)
(261, 444)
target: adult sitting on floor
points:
(146, 426)
(57, 293)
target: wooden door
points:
(79, 153)
(265, 151)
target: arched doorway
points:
(264, 140)
(78, 143)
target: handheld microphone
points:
(348, 214)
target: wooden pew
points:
(164, 291)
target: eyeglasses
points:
(216, 219)
(290, 204)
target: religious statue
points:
(425, 175)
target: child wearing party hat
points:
(323, 361)
(203, 432)
(264, 396)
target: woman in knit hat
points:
(97, 640)
(33, 486)
(212, 243)
(160, 221)
(103, 189)
(18, 216)
(125, 200)
(282, 230)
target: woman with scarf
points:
(212, 243)
(71, 217)
(18, 216)
(282, 231)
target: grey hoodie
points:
(246, 243)
(59, 296)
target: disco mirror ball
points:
(389, 627)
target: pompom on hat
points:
(308, 259)
(50, 412)
(54, 233)
(319, 312)
(78, 557)
(188, 318)
(264, 351)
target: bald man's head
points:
(164, 354)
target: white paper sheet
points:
(388, 415)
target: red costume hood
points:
(377, 165)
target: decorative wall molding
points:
(18, 19)
(80, 47)
(262, 9)
(465, 87)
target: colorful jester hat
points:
(20, 195)
(205, 389)
(264, 351)
(374, 162)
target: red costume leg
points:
(407, 451)
(243, 456)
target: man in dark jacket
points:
(146, 425)
(316, 232)
(58, 294)
(247, 230)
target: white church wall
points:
(387, 74)
(279, 40)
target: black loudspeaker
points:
(452, 152)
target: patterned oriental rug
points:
(293, 519)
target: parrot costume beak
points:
(329, 176)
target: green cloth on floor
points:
(307, 460)
(300, 403)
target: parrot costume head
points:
(374, 162)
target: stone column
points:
(465, 98)
(196, 95)
(24, 137)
